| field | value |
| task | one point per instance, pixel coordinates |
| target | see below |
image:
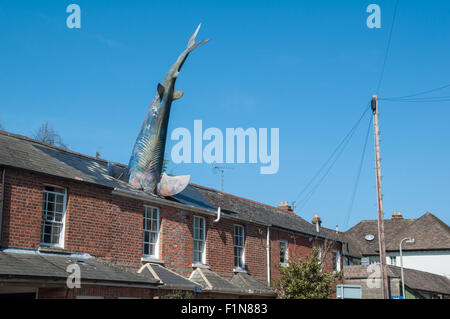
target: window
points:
(393, 260)
(336, 261)
(283, 251)
(239, 247)
(53, 216)
(151, 232)
(199, 240)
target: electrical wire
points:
(358, 175)
(387, 48)
(416, 94)
(436, 99)
(335, 154)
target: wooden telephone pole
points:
(382, 247)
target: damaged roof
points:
(22, 152)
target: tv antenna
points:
(222, 170)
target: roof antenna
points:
(221, 169)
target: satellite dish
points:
(369, 237)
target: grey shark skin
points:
(146, 161)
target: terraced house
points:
(61, 211)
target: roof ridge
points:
(239, 197)
(29, 139)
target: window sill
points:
(52, 249)
(284, 264)
(203, 266)
(152, 260)
(240, 270)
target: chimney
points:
(317, 222)
(286, 207)
(397, 215)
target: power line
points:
(435, 99)
(387, 48)
(313, 190)
(419, 93)
(358, 175)
(338, 150)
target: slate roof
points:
(31, 264)
(25, 153)
(251, 285)
(260, 213)
(430, 233)
(414, 279)
(210, 281)
(168, 278)
(22, 152)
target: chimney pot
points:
(397, 215)
(286, 207)
(316, 219)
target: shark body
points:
(146, 161)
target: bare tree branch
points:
(46, 134)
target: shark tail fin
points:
(192, 44)
(172, 185)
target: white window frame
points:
(201, 240)
(319, 255)
(286, 253)
(60, 243)
(150, 231)
(241, 266)
(337, 260)
(393, 260)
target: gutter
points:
(2, 204)
(166, 202)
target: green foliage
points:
(179, 294)
(304, 279)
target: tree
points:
(304, 279)
(46, 134)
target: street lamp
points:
(409, 241)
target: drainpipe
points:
(2, 205)
(268, 255)
(218, 215)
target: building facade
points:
(60, 208)
(429, 251)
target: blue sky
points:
(305, 67)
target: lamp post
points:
(408, 240)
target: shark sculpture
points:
(146, 161)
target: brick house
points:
(60, 208)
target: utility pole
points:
(384, 286)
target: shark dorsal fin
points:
(177, 95)
(161, 90)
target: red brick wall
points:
(97, 223)
(299, 246)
